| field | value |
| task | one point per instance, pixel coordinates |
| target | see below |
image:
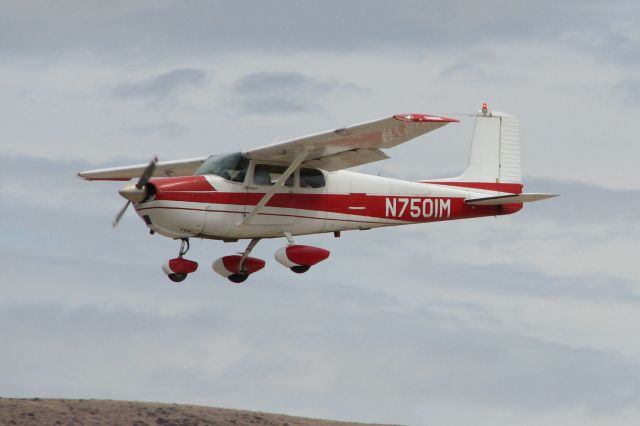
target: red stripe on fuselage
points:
(512, 188)
(297, 216)
(182, 184)
(402, 208)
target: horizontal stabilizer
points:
(508, 199)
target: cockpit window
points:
(267, 174)
(311, 178)
(232, 167)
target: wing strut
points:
(279, 183)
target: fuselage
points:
(301, 186)
(212, 206)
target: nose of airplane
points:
(132, 193)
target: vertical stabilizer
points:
(495, 149)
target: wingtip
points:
(424, 118)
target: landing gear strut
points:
(243, 274)
(177, 269)
(184, 248)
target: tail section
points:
(494, 161)
(495, 149)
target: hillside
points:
(81, 412)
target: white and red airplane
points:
(300, 187)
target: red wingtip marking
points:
(424, 118)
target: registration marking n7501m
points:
(417, 207)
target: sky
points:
(527, 319)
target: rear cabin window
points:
(267, 174)
(311, 178)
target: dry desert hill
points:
(89, 412)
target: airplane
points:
(300, 187)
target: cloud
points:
(380, 363)
(283, 92)
(162, 85)
(528, 318)
(406, 340)
(628, 92)
(144, 28)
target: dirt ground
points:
(89, 412)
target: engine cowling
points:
(179, 265)
(299, 257)
(230, 265)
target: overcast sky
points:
(524, 319)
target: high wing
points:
(331, 150)
(164, 168)
(350, 146)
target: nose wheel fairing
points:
(178, 268)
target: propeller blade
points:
(120, 214)
(129, 192)
(148, 172)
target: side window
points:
(267, 174)
(311, 178)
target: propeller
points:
(138, 192)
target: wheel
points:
(300, 269)
(177, 278)
(238, 278)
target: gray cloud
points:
(447, 317)
(278, 92)
(358, 362)
(517, 281)
(162, 85)
(335, 344)
(583, 203)
(628, 92)
(144, 29)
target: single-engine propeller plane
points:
(299, 187)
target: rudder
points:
(495, 149)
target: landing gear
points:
(300, 269)
(184, 247)
(237, 268)
(177, 278)
(299, 258)
(177, 269)
(238, 278)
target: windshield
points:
(232, 167)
